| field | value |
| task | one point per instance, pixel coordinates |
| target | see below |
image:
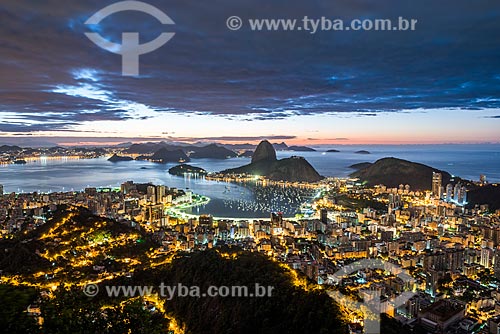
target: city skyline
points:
(251, 166)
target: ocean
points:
(49, 175)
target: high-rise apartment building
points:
(437, 180)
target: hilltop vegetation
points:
(489, 194)
(65, 251)
(392, 172)
(290, 309)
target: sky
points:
(437, 84)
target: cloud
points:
(61, 80)
(233, 138)
(328, 139)
(27, 139)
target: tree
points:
(13, 316)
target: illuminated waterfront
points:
(236, 199)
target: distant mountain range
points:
(164, 155)
(9, 149)
(211, 151)
(265, 163)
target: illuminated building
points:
(486, 257)
(436, 184)
(449, 192)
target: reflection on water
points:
(48, 175)
(262, 201)
(227, 199)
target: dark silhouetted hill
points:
(264, 163)
(361, 165)
(264, 152)
(489, 194)
(212, 151)
(362, 152)
(392, 172)
(164, 155)
(301, 149)
(117, 158)
(289, 309)
(9, 149)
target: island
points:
(332, 151)
(183, 169)
(117, 158)
(362, 152)
(265, 163)
(301, 149)
(361, 165)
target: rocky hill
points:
(392, 172)
(264, 152)
(294, 169)
(264, 163)
(118, 158)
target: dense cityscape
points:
(249, 167)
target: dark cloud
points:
(31, 140)
(53, 77)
